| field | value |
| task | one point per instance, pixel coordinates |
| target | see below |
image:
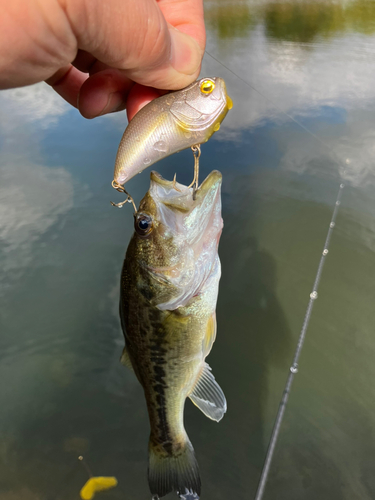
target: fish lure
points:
(95, 484)
(169, 124)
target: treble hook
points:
(197, 153)
(129, 199)
(174, 184)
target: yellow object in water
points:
(95, 484)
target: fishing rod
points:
(293, 370)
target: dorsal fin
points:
(208, 395)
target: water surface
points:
(63, 392)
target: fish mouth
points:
(185, 217)
(178, 195)
(176, 208)
(191, 228)
(213, 180)
(159, 180)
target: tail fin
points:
(173, 471)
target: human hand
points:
(102, 55)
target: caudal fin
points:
(173, 471)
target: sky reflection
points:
(62, 245)
(25, 214)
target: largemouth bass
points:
(169, 289)
(171, 123)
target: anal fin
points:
(208, 396)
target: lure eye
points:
(207, 86)
(143, 224)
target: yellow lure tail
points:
(96, 484)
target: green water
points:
(63, 392)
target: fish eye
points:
(207, 86)
(143, 224)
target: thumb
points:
(141, 37)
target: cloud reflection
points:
(32, 197)
(335, 74)
(327, 87)
(37, 102)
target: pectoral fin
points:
(208, 396)
(125, 359)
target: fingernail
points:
(115, 103)
(186, 55)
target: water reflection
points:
(28, 104)
(332, 82)
(261, 341)
(230, 19)
(302, 84)
(303, 21)
(28, 213)
(61, 249)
